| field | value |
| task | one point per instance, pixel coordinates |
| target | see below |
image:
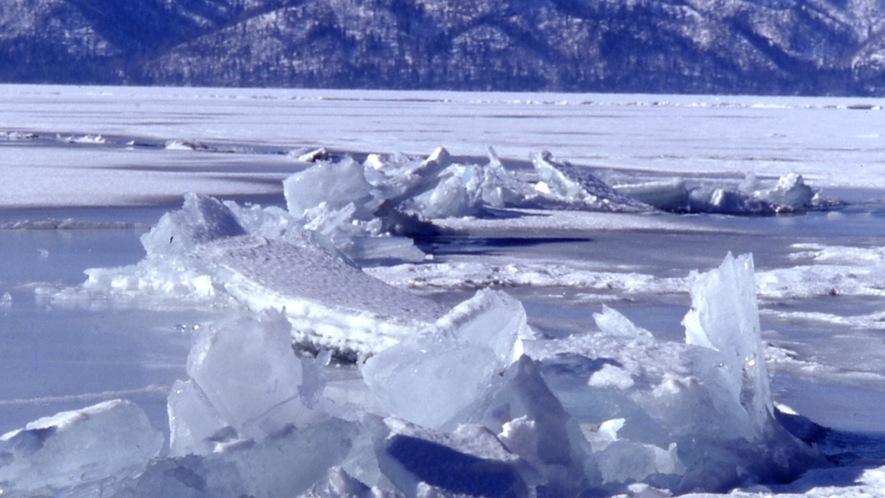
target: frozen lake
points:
(87, 171)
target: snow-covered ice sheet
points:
(634, 132)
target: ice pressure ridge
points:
(462, 401)
(438, 188)
(473, 404)
(341, 213)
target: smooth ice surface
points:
(431, 378)
(245, 371)
(73, 448)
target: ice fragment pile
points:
(342, 214)
(467, 401)
(400, 192)
(472, 404)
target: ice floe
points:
(203, 254)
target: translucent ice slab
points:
(77, 447)
(431, 378)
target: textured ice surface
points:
(509, 272)
(203, 254)
(77, 447)
(327, 301)
(578, 187)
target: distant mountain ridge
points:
(810, 47)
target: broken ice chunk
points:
(431, 378)
(458, 193)
(491, 318)
(289, 463)
(342, 485)
(248, 373)
(286, 464)
(410, 180)
(667, 195)
(721, 200)
(470, 190)
(790, 194)
(541, 431)
(501, 189)
(611, 376)
(690, 417)
(194, 424)
(724, 318)
(469, 461)
(309, 155)
(430, 382)
(185, 477)
(113, 438)
(627, 461)
(336, 184)
(203, 254)
(579, 187)
(613, 323)
(201, 219)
